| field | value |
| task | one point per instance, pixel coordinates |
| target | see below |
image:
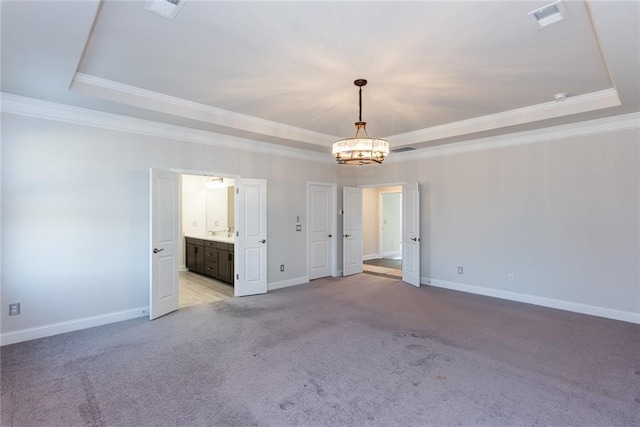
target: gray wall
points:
(561, 216)
(75, 214)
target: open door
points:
(163, 296)
(352, 231)
(251, 237)
(411, 234)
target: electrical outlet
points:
(510, 276)
(14, 309)
(298, 227)
(282, 267)
(460, 270)
(195, 224)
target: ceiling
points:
(283, 72)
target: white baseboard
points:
(625, 316)
(70, 326)
(286, 283)
(370, 256)
(391, 254)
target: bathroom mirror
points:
(220, 207)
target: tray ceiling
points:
(283, 72)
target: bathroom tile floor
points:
(196, 289)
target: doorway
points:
(382, 231)
(207, 217)
(245, 263)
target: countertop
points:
(209, 237)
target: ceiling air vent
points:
(402, 149)
(550, 14)
(165, 8)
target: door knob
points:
(330, 235)
(414, 239)
(262, 241)
(347, 235)
(156, 250)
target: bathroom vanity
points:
(211, 256)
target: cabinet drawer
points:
(209, 244)
(192, 241)
(223, 246)
(209, 254)
(211, 269)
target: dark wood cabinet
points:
(195, 255)
(225, 262)
(213, 259)
(210, 259)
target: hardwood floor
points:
(196, 289)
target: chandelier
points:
(360, 150)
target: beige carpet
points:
(362, 350)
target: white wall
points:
(194, 205)
(371, 219)
(391, 223)
(562, 216)
(75, 215)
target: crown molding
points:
(14, 104)
(548, 110)
(592, 127)
(131, 95)
(30, 107)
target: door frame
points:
(179, 230)
(334, 226)
(393, 184)
(182, 172)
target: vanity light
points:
(215, 182)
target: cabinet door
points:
(223, 265)
(200, 259)
(231, 269)
(190, 254)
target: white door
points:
(352, 231)
(321, 229)
(411, 234)
(251, 237)
(163, 296)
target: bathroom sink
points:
(224, 239)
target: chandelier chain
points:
(360, 104)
